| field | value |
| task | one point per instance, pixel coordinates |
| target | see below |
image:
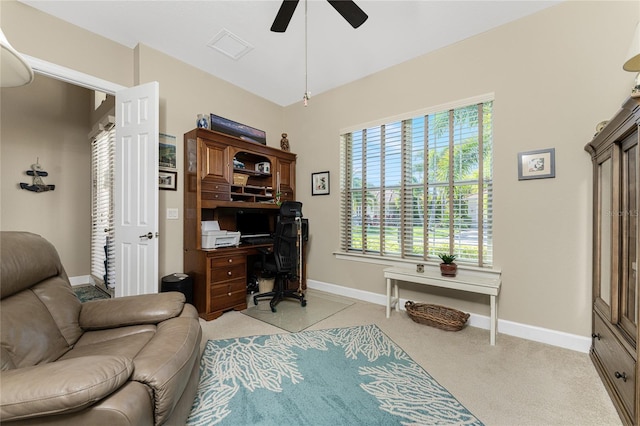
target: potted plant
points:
(447, 267)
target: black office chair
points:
(285, 264)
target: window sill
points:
(411, 264)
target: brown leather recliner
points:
(125, 361)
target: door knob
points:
(147, 236)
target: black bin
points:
(179, 282)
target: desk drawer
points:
(219, 196)
(215, 187)
(229, 294)
(228, 287)
(226, 302)
(228, 272)
(616, 361)
(226, 261)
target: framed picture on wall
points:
(320, 183)
(168, 180)
(540, 164)
(167, 151)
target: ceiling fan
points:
(347, 8)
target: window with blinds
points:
(102, 214)
(420, 186)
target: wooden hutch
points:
(221, 178)
(616, 296)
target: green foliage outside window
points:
(421, 186)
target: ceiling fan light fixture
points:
(348, 9)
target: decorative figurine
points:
(203, 121)
(284, 143)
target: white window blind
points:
(102, 214)
(421, 186)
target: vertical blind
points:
(102, 214)
(421, 186)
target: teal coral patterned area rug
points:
(341, 376)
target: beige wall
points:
(555, 75)
(184, 92)
(48, 120)
(181, 99)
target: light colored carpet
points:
(291, 316)
(516, 382)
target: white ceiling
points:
(274, 68)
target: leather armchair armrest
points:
(61, 386)
(131, 310)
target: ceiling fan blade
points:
(284, 15)
(349, 11)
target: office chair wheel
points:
(273, 309)
(303, 303)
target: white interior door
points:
(136, 190)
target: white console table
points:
(483, 283)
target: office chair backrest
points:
(291, 209)
(285, 248)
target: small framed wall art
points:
(320, 183)
(540, 164)
(168, 180)
(167, 154)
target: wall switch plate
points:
(172, 213)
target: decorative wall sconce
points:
(632, 63)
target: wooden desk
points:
(220, 278)
(465, 281)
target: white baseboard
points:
(80, 280)
(524, 331)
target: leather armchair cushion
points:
(110, 342)
(165, 363)
(19, 270)
(63, 306)
(132, 310)
(62, 386)
(30, 333)
(110, 334)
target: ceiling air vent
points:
(230, 44)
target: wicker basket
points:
(240, 179)
(436, 316)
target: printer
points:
(213, 237)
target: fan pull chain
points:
(307, 94)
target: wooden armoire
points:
(616, 296)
